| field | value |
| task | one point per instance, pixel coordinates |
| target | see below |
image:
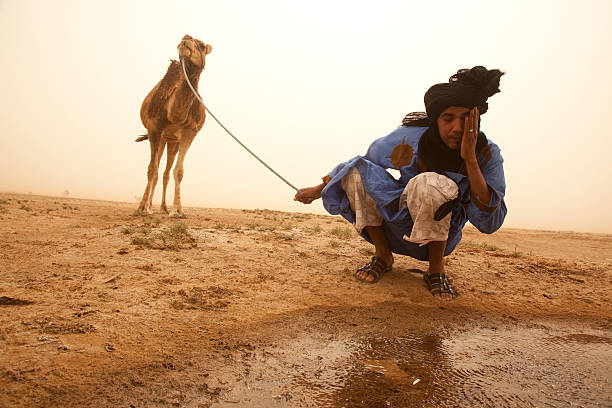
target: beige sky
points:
(306, 85)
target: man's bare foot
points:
(374, 270)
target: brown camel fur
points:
(173, 116)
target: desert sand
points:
(259, 308)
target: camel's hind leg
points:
(178, 172)
(157, 148)
(160, 152)
(173, 149)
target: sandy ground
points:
(260, 308)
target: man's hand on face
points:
(470, 136)
(309, 194)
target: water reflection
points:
(385, 373)
(521, 367)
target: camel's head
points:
(193, 50)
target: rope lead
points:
(230, 133)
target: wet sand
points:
(240, 308)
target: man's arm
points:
(309, 194)
(486, 209)
(478, 186)
(379, 153)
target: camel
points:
(173, 116)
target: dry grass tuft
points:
(366, 250)
(314, 230)
(174, 237)
(482, 245)
(334, 243)
(344, 233)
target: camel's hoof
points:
(177, 215)
(165, 210)
(142, 213)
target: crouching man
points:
(450, 174)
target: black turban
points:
(467, 88)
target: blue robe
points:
(399, 150)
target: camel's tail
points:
(142, 137)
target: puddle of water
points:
(301, 373)
(538, 367)
(522, 367)
(388, 368)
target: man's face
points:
(450, 124)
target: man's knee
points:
(431, 186)
(353, 176)
(352, 182)
(364, 206)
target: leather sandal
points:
(376, 268)
(439, 283)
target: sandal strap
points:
(376, 267)
(439, 283)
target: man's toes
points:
(365, 276)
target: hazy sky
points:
(306, 85)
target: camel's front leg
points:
(178, 172)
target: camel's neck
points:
(194, 79)
(174, 76)
(193, 73)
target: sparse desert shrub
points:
(175, 237)
(266, 237)
(152, 223)
(25, 207)
(282, 237)
(482, 245)
(314, 230)
(334, 243)
(342, 232)
(141, 241)
(366, 251)
(178, 228)
(488, 247)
